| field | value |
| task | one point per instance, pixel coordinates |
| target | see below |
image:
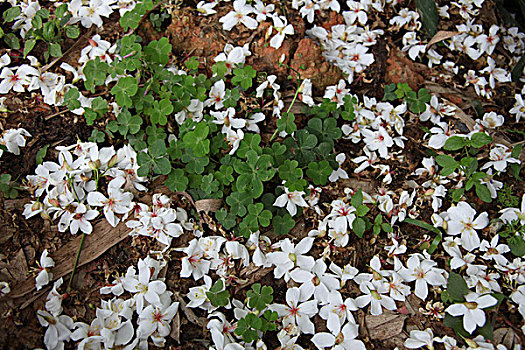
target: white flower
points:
(418, 339)
(231, 57)
(156, 319)
(92, 13)
(239, 15)
(378, 140)
(16, 80)
(262, 10)
(315, 281)
(280, 24)
(494, 251)
(44, 276)
(198, 297)
(217, 93)
(291, 200)
(519, 107)
(80, 219)
(290, 256)
(119, 202)
(471, 310)
(374, 294)
(54, 299)
(296, 312)
(206, 9)
(499, 157)
(337, 311)
(194, 263)
(461, 220)
(492, 120)
(510, 214)
(143, 288)
(345, 340)
(58, 329)
(339, 173)
(4, 288)
(227, 120)
(12, 139)
(424, 272)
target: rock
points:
(400, 69)
(334, 18)
(310, 63)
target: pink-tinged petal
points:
(323, 340)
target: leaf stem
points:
(76, 262)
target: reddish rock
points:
(310, 63)
(265, 58)
(333, 19)
(400, 69)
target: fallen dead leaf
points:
(18, 267)
(208, 205)
(384, 326)
(103, 237)
(175, 328)
(190, 315)
(440, 36)
(507, 337)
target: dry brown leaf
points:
(190, 315)
(103, 237)
(208, 205)
(440, 36)
(507, 337)
(18, 267)
(384, 326)
(175, 328)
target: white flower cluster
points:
(70, 187)
(13, 139)
(346, 45)
(159, 220)
(150, 307)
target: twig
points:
(57, 114)
(52, 63)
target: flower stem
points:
(76, 262)
(288, 111)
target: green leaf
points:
(429, 16)
(357, 199)
(517, 245)
(319, 172)
(480, 139)
(287, 123)
(456, 194)
(244, 76)
(126, 88)
(359, 227)
(41, 154)
(448, 163)
(238, 201)
(259, 298)
(197, 140)
(192, 63)
(455, 143)
(158, 51)
(55, 50)
(28, 46)
(177, 181)
(10, 14)
(423, 225)
(157, 148)
(160, 111)
(389, 92)
(72, 32)
(12, 41)
(402, 90)
(483, 192)
(456, 287)
(362, 210)
(283, 224)
(217, 295)
(48, 31)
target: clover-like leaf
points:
(197, 140)
(126, 88)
